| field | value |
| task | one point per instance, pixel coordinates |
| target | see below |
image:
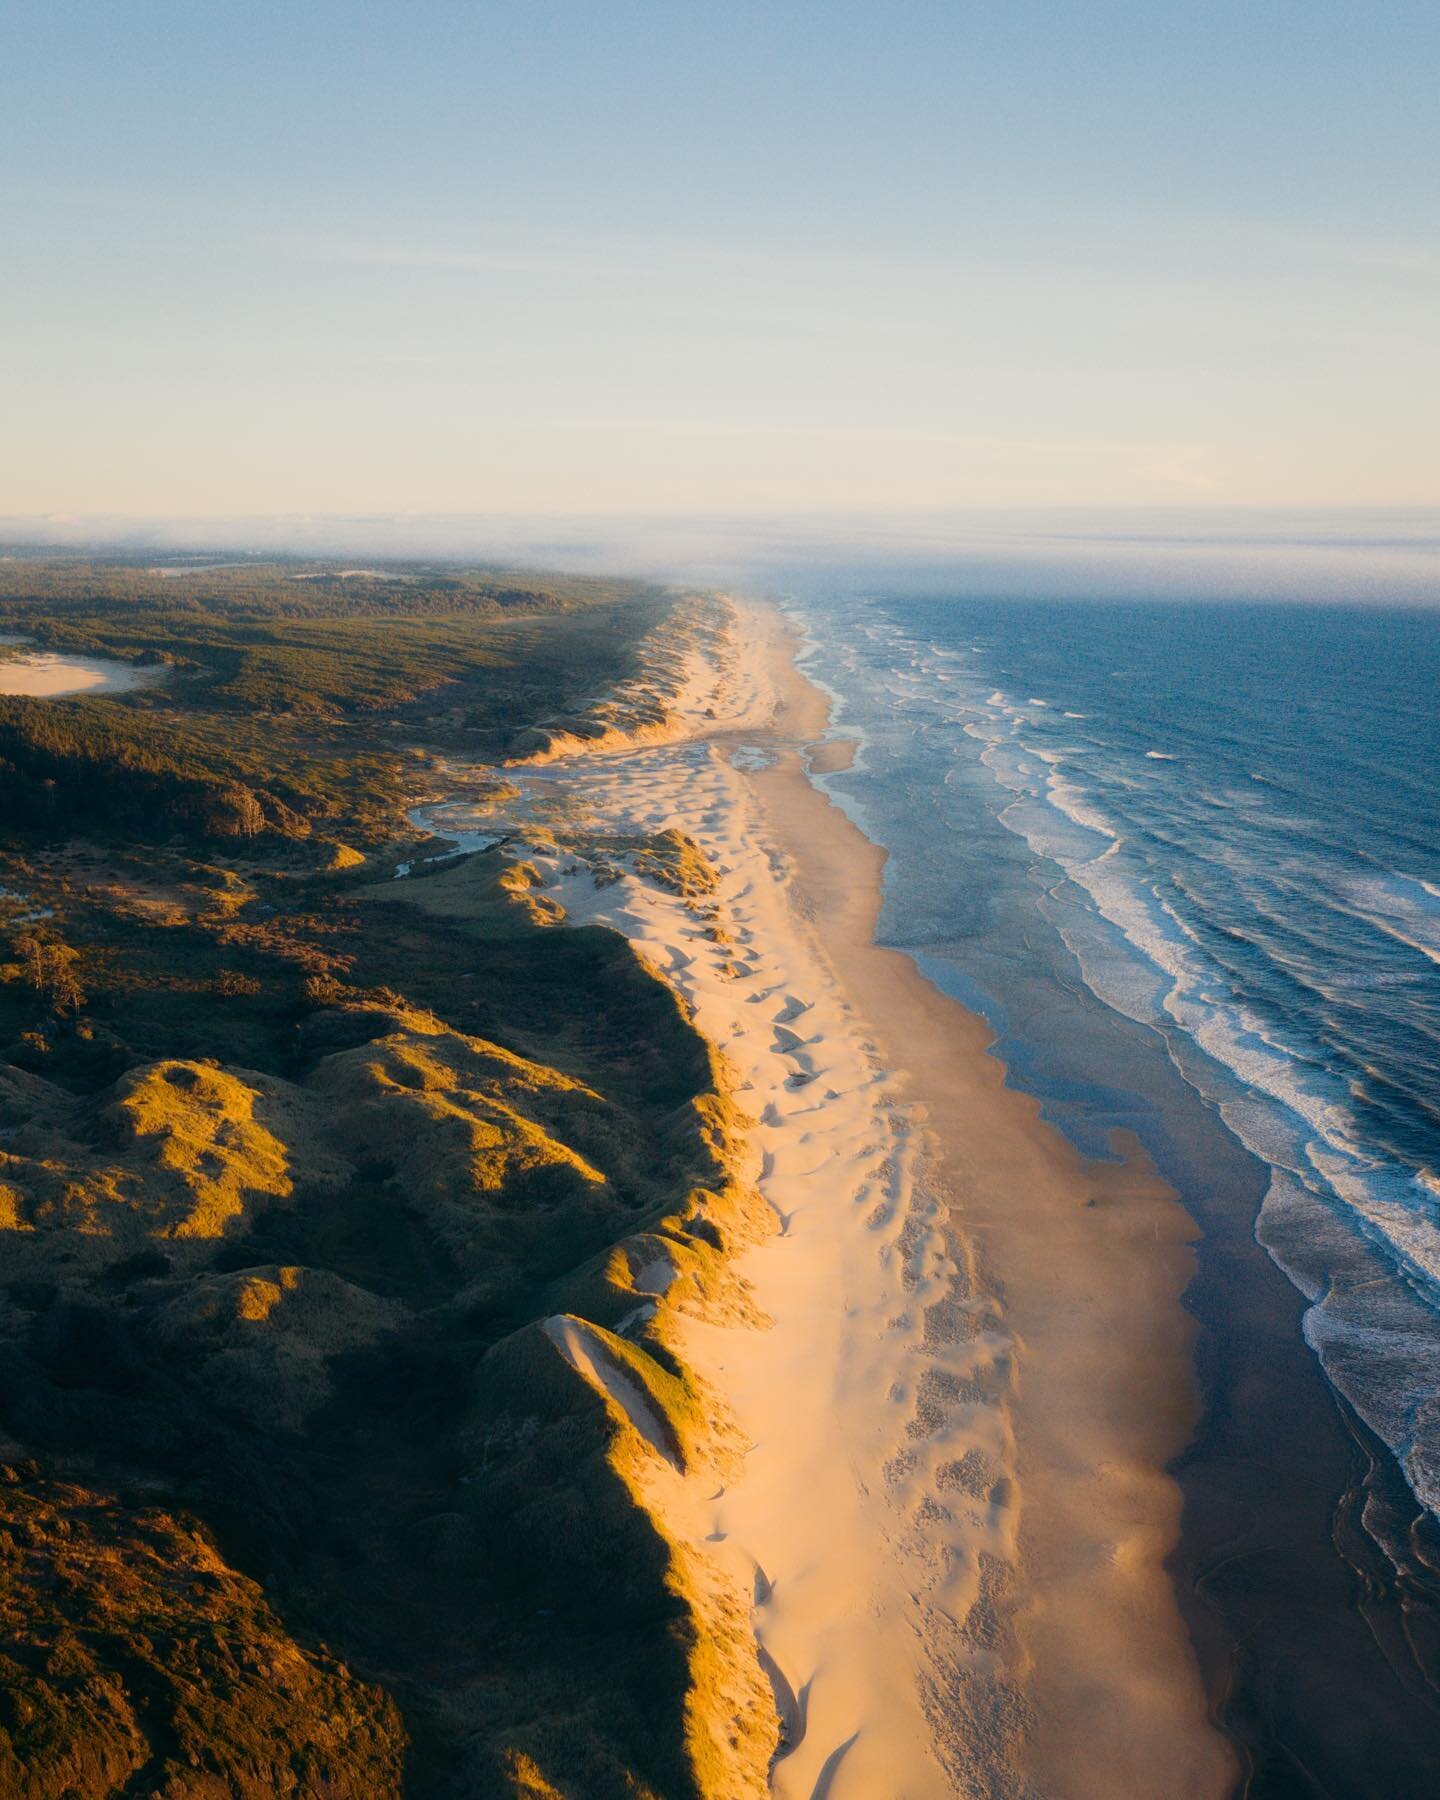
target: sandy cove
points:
(952, 1516)
(46, 676)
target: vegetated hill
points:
(286, 689)
(286, 1328)
(300, 639)
(307, 1196)
(87, 764)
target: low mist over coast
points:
(1351, 557)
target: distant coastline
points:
(502, 1157)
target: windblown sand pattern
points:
(873, 1573)
(948, 1521)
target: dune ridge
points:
(683, 678)
(961, 1364)
(861, 1370)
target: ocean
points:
(1185, 857)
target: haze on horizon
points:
(767, 259)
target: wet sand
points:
(1008, 1524)
(1307, 1570)
(953, 1519)
(1089, 1262)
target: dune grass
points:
(314, 1502)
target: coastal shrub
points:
(286, 1205)
(165, 1664)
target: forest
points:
(285, 687)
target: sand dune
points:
(42, 675)
(581, 1345)
(950, 1520)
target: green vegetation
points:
(270, 719)
(86, 765)
(677, 862)
(298, 1168)
(135, 1661)
(296, 640)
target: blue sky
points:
(580, 257)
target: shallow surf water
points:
(1198, 843)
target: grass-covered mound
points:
(330, 1371)
(344, 1226)
(341, 1219)
(136, 1661)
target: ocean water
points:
(1189, 843)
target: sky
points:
(556, 256)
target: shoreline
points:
(1306, 1568)
(1092, 1268)
(951, 1524)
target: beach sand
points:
(1087, 1263)
(42, 675)
(951, 1520)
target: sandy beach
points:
(951, 1518)
(44, 675)
(1084, 1264)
